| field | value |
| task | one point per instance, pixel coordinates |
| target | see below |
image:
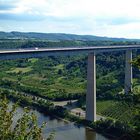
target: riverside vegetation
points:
(64, 78)
(25, 128)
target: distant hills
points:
(57, 36)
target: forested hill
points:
(57, 36)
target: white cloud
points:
(118, 18)
(66, 8)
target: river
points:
(63, 130)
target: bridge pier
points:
(91, 88)
(128, 72)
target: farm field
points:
(64, 78)
(118, 110)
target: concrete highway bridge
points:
(91, 69)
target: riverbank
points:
(104, 127)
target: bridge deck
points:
(42, 52)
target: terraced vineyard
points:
(121, 111)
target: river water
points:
(63, 130)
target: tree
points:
(136, 62)
(26, 127)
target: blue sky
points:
(112, 18)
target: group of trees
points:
(32, 43)
(136, 62)
(110, 70)
(25, 128)
(64, 77)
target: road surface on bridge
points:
(80, 48)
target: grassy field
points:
(20, 70)
(48, 78)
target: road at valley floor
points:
(71, 106)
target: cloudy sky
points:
(112, 18)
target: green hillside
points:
(60, 78)
(57, 36)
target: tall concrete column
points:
(128, 72)
(91, 88)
